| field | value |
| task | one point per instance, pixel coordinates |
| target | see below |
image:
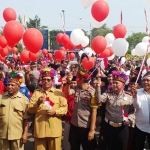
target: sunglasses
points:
(46, 80)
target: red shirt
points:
(2, 87)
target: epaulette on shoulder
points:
(129, 93)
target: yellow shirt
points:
(12, 116)
(42, 128)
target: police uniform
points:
(115, 134)
(80, 122)
(12, 116)
(48, 129)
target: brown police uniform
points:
(114, 117)
(80, 122)
(11, 121)
(45, 131)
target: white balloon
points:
(93, 52)
(77, 36)
(96, 24)
(88, 51)
(146, 39)
(111, 57)
(148, 61)
(133, 52)
(110, 45)
(140, 49)
(123, 60)
(120, 47)
(109, 38)
(85, 41)
(80, 53)
(87, 3)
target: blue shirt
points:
(24, 90)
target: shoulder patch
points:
(129, 93)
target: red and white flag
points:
(48, 103)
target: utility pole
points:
(63, 11)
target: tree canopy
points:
(134, 39)
(100, 31)
(53, 42)
(35, 23)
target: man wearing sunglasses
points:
(48, 105)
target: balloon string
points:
(142, 64)
(94, 70)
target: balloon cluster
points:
(142, 48)
(13, 32)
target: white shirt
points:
(142, 114)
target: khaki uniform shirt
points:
(12, 116)
(82, 107)
(114, 105)
(44, 125)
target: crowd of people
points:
(39, 96)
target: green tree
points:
(100, 31)
(134, 39)
(35, 23)
(19, 47)
(20, 19)
(53, 42)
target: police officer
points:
(83, 120)
(13, 116)
(118, 114)
(48, 104)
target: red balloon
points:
(119, 31)
(33, 40)
(62, 48)
(44, 52)
(58, 38)
(2, 58)
(111, 51)
(13, 32)
(59, 54)
(24, 55)
(33, 56)
(3, 41)
(15, 57)
(21, 60)
(50, 56)
(9, 14)
(88, 64)
(79, 46)
(65, 38)
(9, 48)
(105, 53)
(71, 56)
(99, 44)
(100, 10)
(4, 52)
(70, 45)
(14, 50)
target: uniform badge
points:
(125, 98)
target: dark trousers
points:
(79, 136)
(130, 142)
(116, 138)
(139, 139)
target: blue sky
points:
(49, 12)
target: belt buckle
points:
(115, 125)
